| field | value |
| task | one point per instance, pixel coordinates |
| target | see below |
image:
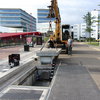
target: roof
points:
(2, 35)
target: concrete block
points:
(48, 54)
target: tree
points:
(89, 20)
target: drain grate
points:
(21, 94)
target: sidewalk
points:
(92, 46)
(95, 47)
(24, 55)
(5, 51)
(73, 80)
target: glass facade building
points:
(42, 16)
(17, 18)
(43, 21)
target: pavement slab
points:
(73, 82)
(78, 75)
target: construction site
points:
(53, 70)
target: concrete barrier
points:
(14, 71)
(48, 54)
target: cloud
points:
(71, 11)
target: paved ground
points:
(89, 56)
(78, 77)
(5, 52)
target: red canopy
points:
(2, 35)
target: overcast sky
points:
(71, 11)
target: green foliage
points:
(88, 19)
(88, 29)
(91, 39)
(93, 43)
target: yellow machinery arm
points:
(54, 13)
(62, 32)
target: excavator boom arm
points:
(54, 13)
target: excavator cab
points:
(65, 32)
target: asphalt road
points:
(78, 76)
(89, 57)
(24, 55)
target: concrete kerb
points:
(91, 46)
(9, 74)
(94, 47)
(4, 76)
(24, 75)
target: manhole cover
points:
(21, 94)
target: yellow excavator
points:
(61, 33)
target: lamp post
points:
(99, 36)
(99, 26)
(31, 22)
(98, 30)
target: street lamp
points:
(99, 26)
(98, 30)
(31, 22)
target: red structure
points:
(6, 35)
(9, 38)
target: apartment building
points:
(79, 31)
(96, 24)
(76, 31)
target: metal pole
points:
(31, 22)
(99, 26)
(98, 29)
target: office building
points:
(17, 20)
(43, 21)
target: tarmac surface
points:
(24, 55)
(5, 51)
(25, 58)
(78, 76)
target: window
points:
(42, 14)
(43, 11)
(9, 10)
(10, 18)
(93, 26)
(11, 14)
(10, 23)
